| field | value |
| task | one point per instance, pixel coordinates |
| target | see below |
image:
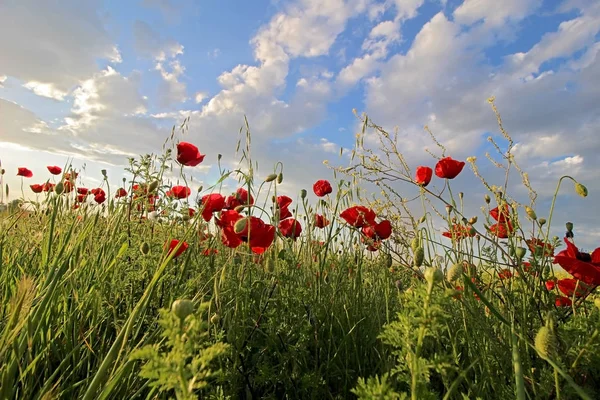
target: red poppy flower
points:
(81, 198)
(284, 213)
(179, 192)
(502, 229)
(501, 213)
(173, 244)
(71, 175)
(550, 284)
(82, 191)
(257, 234)
(210, 252)
(448, 168)
(283, 201)
(188, 154)
(321, 221)
(239, 198)
(459, 232)
(191, 212)
(212, 203)
(54, 170)
(24, 172)
(229, 237)
(290, 228)
(540, 248)
(583, 266)
(383, 229)
(359, 216)
(505, 274)
(228, 218)
(48, 187)
(322, 188)
(423, 175)
(68, 187)
(563, 302)
(374, 246)
(99, 195)
(568, 287)
(37, 188)
(121, 193)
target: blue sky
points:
(99, 81)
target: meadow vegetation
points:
(145, 292)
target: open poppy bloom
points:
(505, 274)
(54, 170)
(423, 175)
(68, 187)
(502, 229)
(173, 245)
(82, 191)
(321, 221)
(179, 192)
(283, 202)
(379, 231)
(256, 233)
(322, 188)
(563, 302)
(448, 168)
(24, 172)
(239, 198)
(212, 203)
(99, 195)
(582, 266)
(188, 154)
(568, 287)
(290, 228)
(459, 232)
(48, 187)
(37, 188)
(359, 216)
(121, 193)
(540, 248)
(550, 284)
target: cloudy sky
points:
(100, 81)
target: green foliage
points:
(184, 362)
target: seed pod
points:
(569, 226)
(182, 308)
(145, 248)
(487, 199)
(303, 193)
(103, 173)
(454, 272)
(240, 225)
(449, 208)
(542, 221)
(472, 220)
(280, 178)
(433, 275)
(581, 190)
(2, 171)
(419, 257)
(270, 178)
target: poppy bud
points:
(153, 186)
(145, 248)
(271, 178)
(419, 257)
(530, 213)
(520, 252)
(103, 173)
(388, 260)
(219, 156)
(240, 225)
(2, 171)
(454, 272)
(59, 188)
(239, 208)
(581, 190)
(473, 220)
(415, 244)
(569, 226)
(433, 275)
(303, 193)
(461, 195)
(215, 318)
(487, 199)
(542, 221)
(423, 218)
(200, 189)
(545, 342)
(182, 308)
(449, 208)
(280, 177)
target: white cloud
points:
(171, 90)
(494, 13)
(199, 97)
(149, 43)
(45, 90)
(53, 43)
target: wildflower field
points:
(147, 291)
